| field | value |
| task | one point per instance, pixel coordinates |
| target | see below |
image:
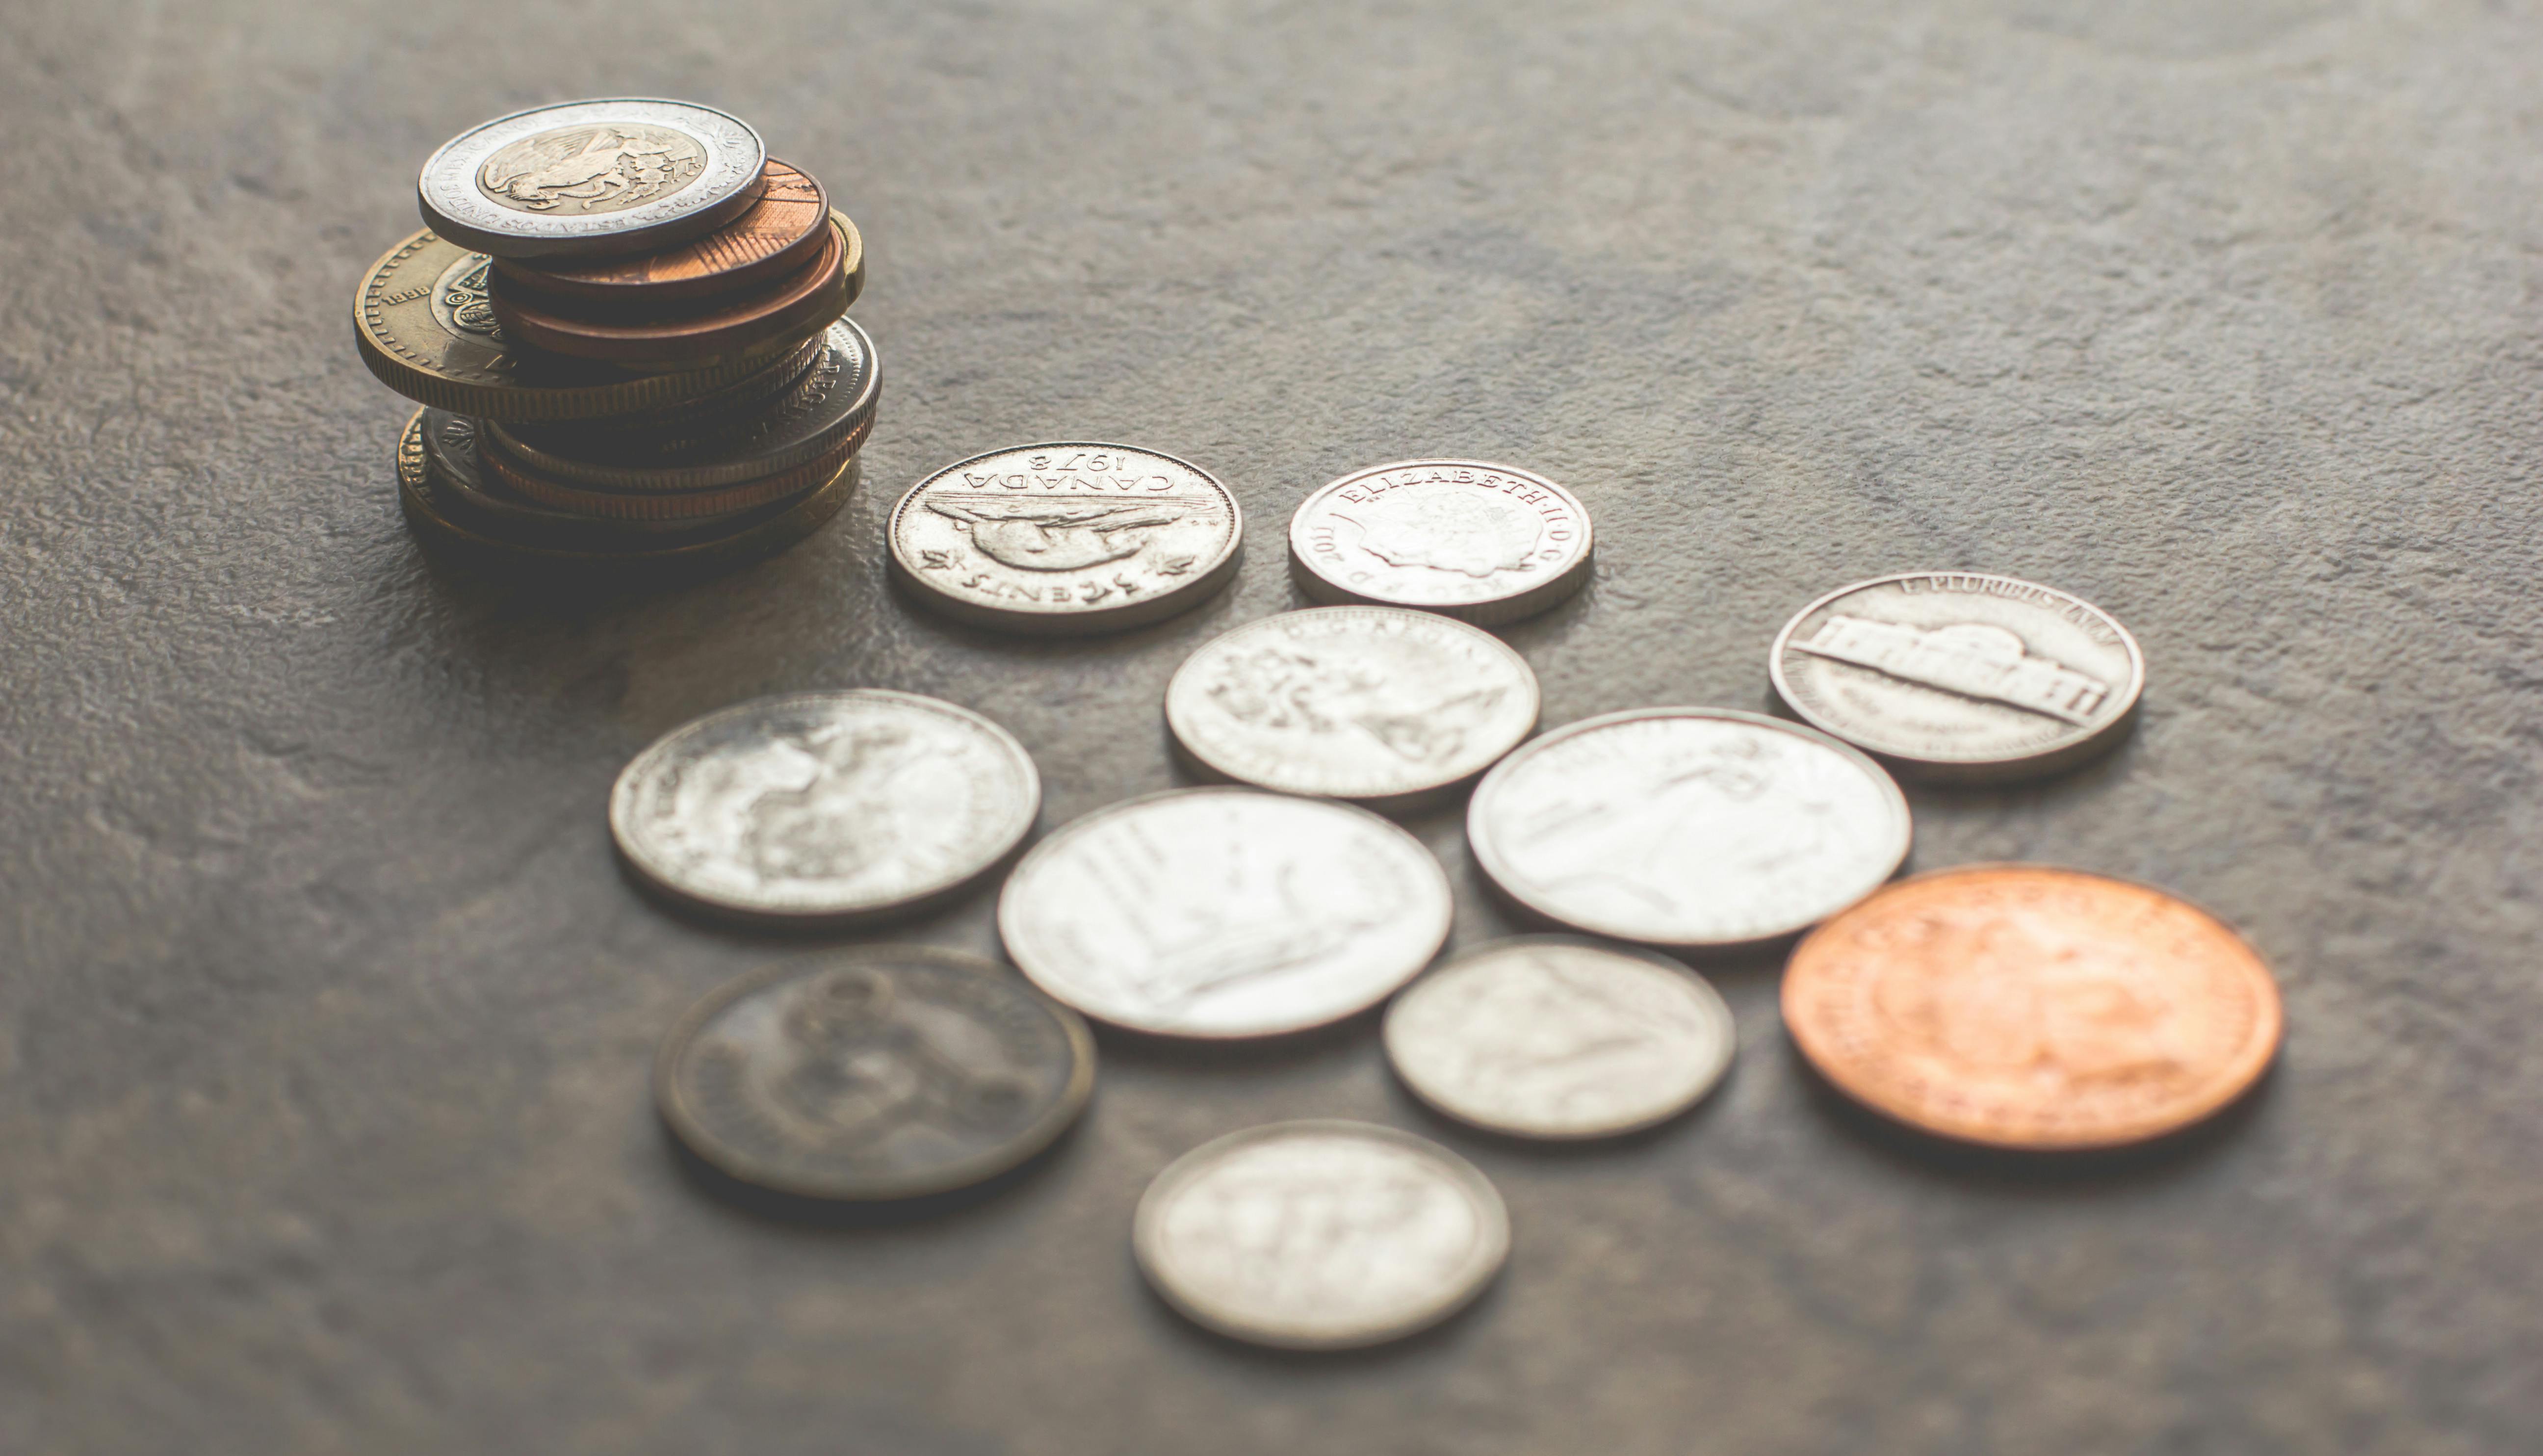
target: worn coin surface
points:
(1687, 826)
(1320, 1234)
(780, 234)
(1364, 703)
(1224, 912)
(472, 478)
(1066, 538)
(2029, 1007)
(1559, 1038)
(871, 1073)
(625, 175)
(824, 806)
(791, 306)
(1961, 675)
(1479, 541)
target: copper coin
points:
(667, 505)
(781, 233)
(2035, 1008)
(800, 303)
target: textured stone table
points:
(325, 1015)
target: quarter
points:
(1479, 541)
(627, 174)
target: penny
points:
(1959, 676)
(873, 1073)
(1479, 541)
(1365, 703)
(665, 507)
(789, 307)
(1224, 912)
(627, 174)
(780, 234)
(471, 477)
(1066, 538)
(1558, 1038)
(1320, 1234)
(828, 808)
(1687, 826)
(2027, 1007)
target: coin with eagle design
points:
(627, 174)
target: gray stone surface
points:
(324, 1015)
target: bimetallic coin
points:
(873, 1073)
(1687, 826)
(1320, 1234)
(779, 234)
(1961, 677)
(2027, 1007)
(789, 307)
(1224, 912)
(1479, 541)
(627, 174)
(1367, 703)
(1559, 1038)
(1066, 538)
(825, 808)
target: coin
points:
(2028, 1007)
(789, 307)
(1224, 912)
(1959, 676)
(872, 1073)
(1320, 1234)
(780, 234)
(1559, 1038)
(825, 807)
(1066, 538)
(1687, 826)
(591, 502)
(1468, 539)
(627, 174)
(1366, 702)
(471, 477)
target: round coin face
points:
(1066, 538)
(619, 176)
(1687, 826)
(1224, 912)
(1558, 1038)
(778, 234)
(1479, 541)
(879, 1072)
(2029, 1007)
(1958, 676)
(824, 806)
(1365, 703)
(1320, 1234)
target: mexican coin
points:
(1320, 1234)
(1687, 826)
(1479, 541)
(779, 234)
(621, 176)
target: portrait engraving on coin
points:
(576, 169)
(1485, 542)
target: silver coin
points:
(877, 1072)
(1556, 1036)
(1066, 538)
(1479, 541)
(1320, 1234)
(1687, 826)
(1224, 912)
(824, 806)
(621, 176)
(1377, 704)
(1961, 677)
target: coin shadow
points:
(795, 1210)
(1331, 1042)
(1316, 1363)
(2107, 761)
(1008, 642)
(1560, 1151)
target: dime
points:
(1066, 538)
(877, 1072)
(1479, 541)
(789, 307)
(1959, 676)
(1224, 912)
(1320, 1234)
(780, 234)
(1559, 1038)
(1687, 826)
(626, 174)
(2028, 1007)
(824, 806)
(1365, 703)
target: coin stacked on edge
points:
(626, 325)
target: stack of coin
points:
(625, 322)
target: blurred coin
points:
(779, 234)
(786, 307)
(627, 174)
(1479, 541)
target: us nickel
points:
(1468, 539)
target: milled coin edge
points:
(1497, 611)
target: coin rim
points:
(810, 293)
(1492, 611)
(538, 278)
(648, 225)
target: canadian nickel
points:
(1959, 676)
(825, 808)
(1066, 538)
(1224, 912)
(1376, 704)
(1468, 539)
(1687, 826)
(1553, 1037)
(1320, 1234)
(873, 1073)
(627, 174)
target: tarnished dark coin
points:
(1468, 539)
(626, 174)
(873, 1073)
(786, 308)
(779, 234)
(465, 471)
(662, 507)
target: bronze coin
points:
(800, 304)
(665, 505)
(780, 234)
(2026, 1007)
